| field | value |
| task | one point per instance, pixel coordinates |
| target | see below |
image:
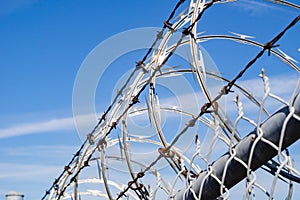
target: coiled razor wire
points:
(215, 176)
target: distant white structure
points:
(14, 196)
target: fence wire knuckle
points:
(215, 180)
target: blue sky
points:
(42, 45)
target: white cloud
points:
(32, 169)
(30, 179)
(33, 172)
(39, 151)
(7, 7)
(38, 127)
(282, 86)
(83, 123)
(256, 7)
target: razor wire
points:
(215, 177)
(97, 139)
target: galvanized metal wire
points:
(93, 151)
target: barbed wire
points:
(263, 140)
(224, 91)
(135, 99)
(185, 32)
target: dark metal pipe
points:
(262, 153)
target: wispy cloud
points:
(31, 179)
(84, 124)
(31, 168)
(282, 86)
(258, 7)
(37, 151)
(33, 172)
(10, 6)
(38, 127)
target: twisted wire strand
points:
(186, 31)
(268, 46)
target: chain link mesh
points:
(107, 166)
